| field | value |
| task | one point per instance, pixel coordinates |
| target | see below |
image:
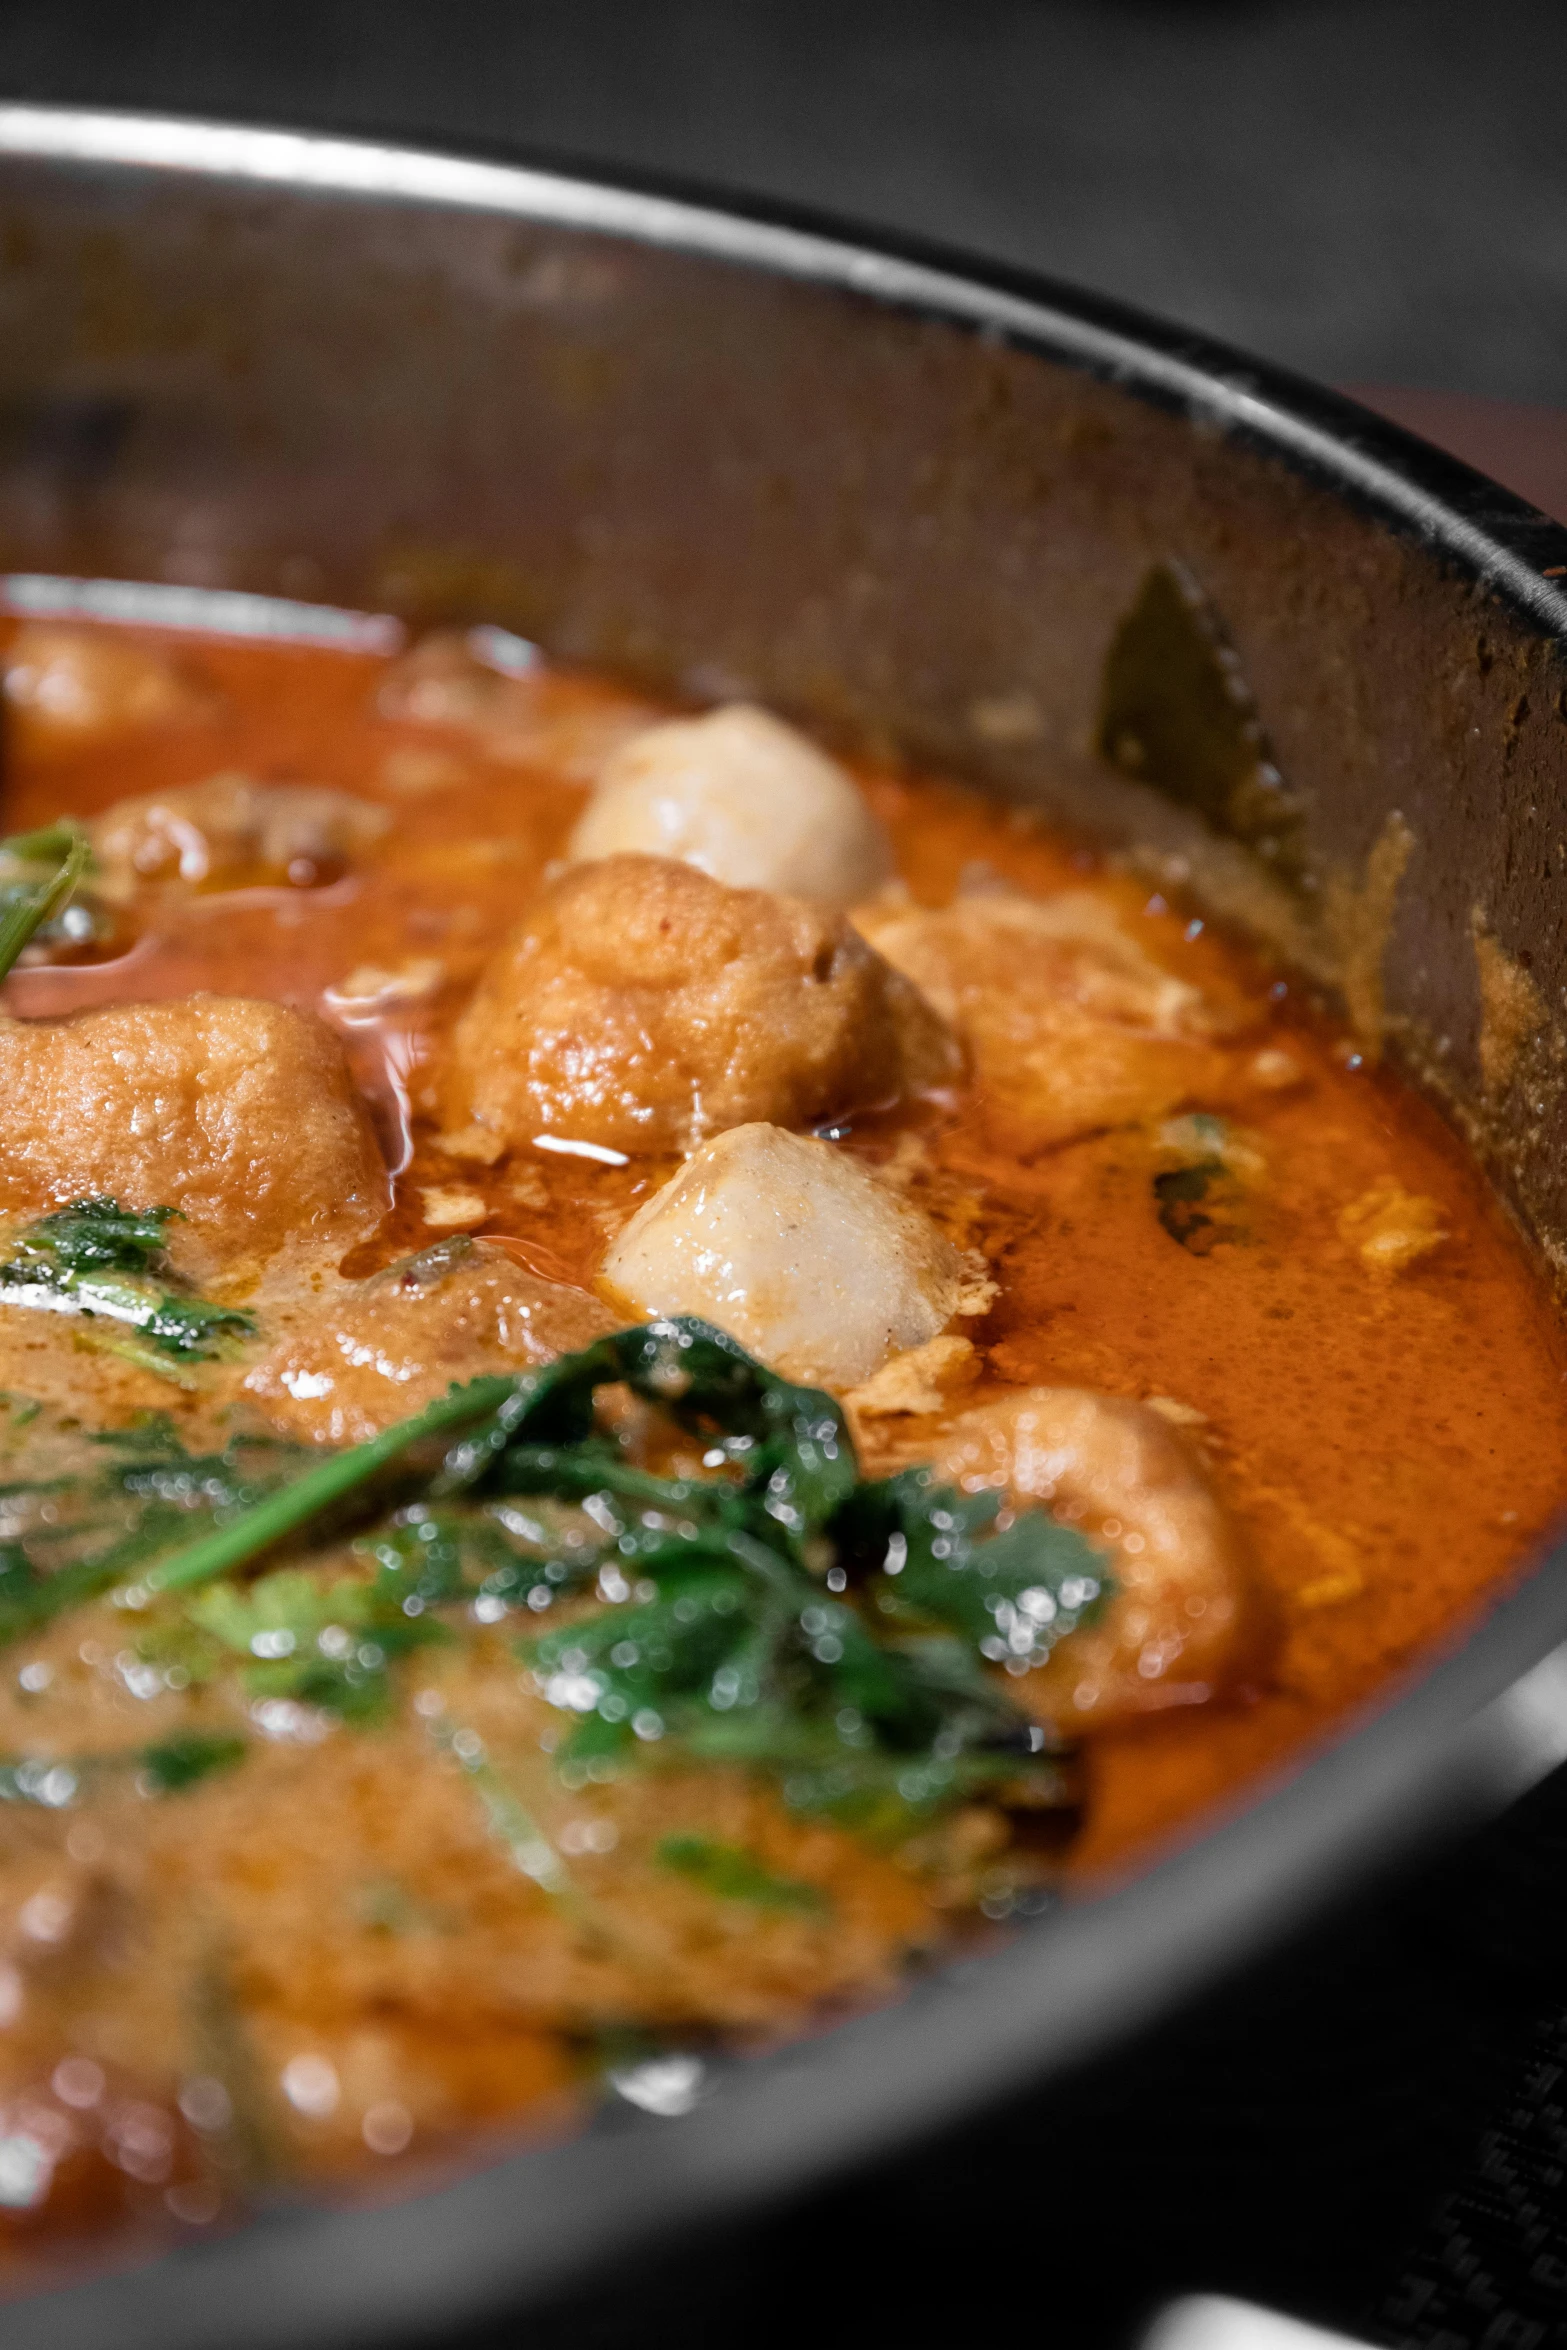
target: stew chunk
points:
(641, 1006)
(744, 797)
(1072, 1024)
(68, 686)
(240, 1114)
(498, 689)
(1178, 1621)
(229, 832)
(795, 1250)
(363, 1354)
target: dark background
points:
(1369, 190)
(1375, 192)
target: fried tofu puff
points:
(357, 1356)
(642, 1006)
(1182, 1616)
(797, 1251)
(229, 832)
(69, 686)
(1071, 1024)
(498, 690)
(241, 1114)
(746, 799)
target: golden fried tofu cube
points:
(641, 1006)
(241, 1114)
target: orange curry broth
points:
(1391, 1447)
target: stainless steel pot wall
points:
(911, 502)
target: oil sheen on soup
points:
(645, 1378)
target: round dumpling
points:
(641, 1007)
(1181, 1615)
(746, 799)
(797, 1251)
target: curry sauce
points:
(323, 1954)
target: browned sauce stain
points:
(1512, 1009)
(1392, 1447)
(1360, 918)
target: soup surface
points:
(433, 1016)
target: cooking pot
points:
(913, 502)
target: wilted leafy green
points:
(1200, 1198)
(94, 1232)
(318, 1642)
(178, 1762)
(100, 1258)
(1176, 712)
(39, 872)
(167, 1767)
(754, 1616)
(775, 1612)
(89, 1513)
(730, 1874)
(934, 1563)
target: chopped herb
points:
(726, 1642)
(47, 845)
(94, 1511)
(1183, 1195)
(331, 1480)
(95, 1257)
(81, 922)
(222, 2049)
(422, 1555)
(26, 904)
(935, 1565)
(730, 1874)
(92, 1232)
(1201, 1200)
(49, 1780)
(178, 1762)
(165, 1768)
(322, 1644)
